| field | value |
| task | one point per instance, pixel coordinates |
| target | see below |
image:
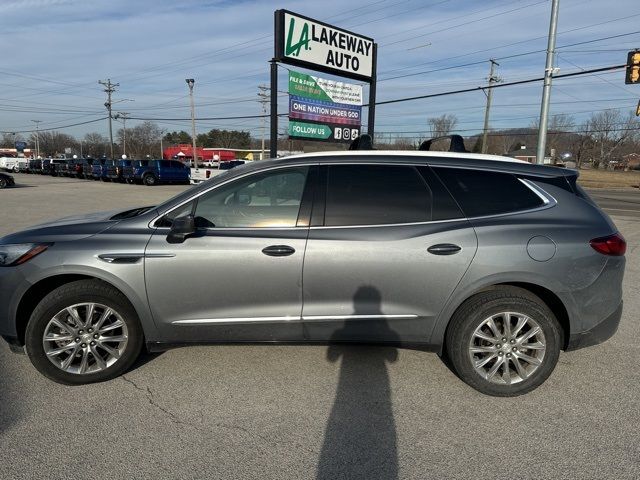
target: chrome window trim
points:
(239, 320)
(321, 318)
(290, 319)
(548, 200)
(546, 197)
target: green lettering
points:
(303, 41)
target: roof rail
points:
(456, 145)
(363, 142)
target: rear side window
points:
(376, 195)
(482, 193)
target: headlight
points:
(15, 254)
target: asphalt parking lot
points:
(295, 412)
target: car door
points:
(386, 248)
(239, 277)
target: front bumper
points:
(598, 333)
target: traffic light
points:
(633, 67)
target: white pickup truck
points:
(8, 163)
(201, 174)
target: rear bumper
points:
(598, 333)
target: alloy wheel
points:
(507, 348)
(85, 338)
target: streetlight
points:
(37, 122)
(123, 115)
(190, 83)
(162, 132)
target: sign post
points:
(309, 43)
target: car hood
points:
(74, 227)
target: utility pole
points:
(191, 82)
(162, 132)
(546, 90)
(492, 79)
(264, 100)
(123, 115)
(109, 89)
(37, 122)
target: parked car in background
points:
(128, 170)
(104, 171)
(66, 168)
(22, 165)
(115, 171)
(57, 166)
(6, 180)
(96, 168)
(161, 171)
(7, 163)
(35, 165)
(46, 166)
(83, 167)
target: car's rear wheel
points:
(149, 180)
(3, 183)
(83, 332)
(504, 342)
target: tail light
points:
(614, 245)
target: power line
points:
(500, 85)
(56, 128)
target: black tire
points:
(3, 183)
(473, 312)
(94, 291)
(149, 180)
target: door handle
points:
(444, 249)
(278, 250)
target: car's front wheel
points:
(504, 342)
(3, 183)
(83, 332)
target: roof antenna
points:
(363, 142)
(456, 145)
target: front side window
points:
(376, 195)
(263, 200)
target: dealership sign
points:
(331, 110)
(319, 46)
(324, 132)
(318, 111)
(317, 88)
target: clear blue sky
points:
(55, 51)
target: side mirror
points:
(181, 228)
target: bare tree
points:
(95, 144)
(53, 142)
(559, 133)
(442, 125)
(142, 140)
(582, 144)
(611, 130)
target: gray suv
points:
(493, 263)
